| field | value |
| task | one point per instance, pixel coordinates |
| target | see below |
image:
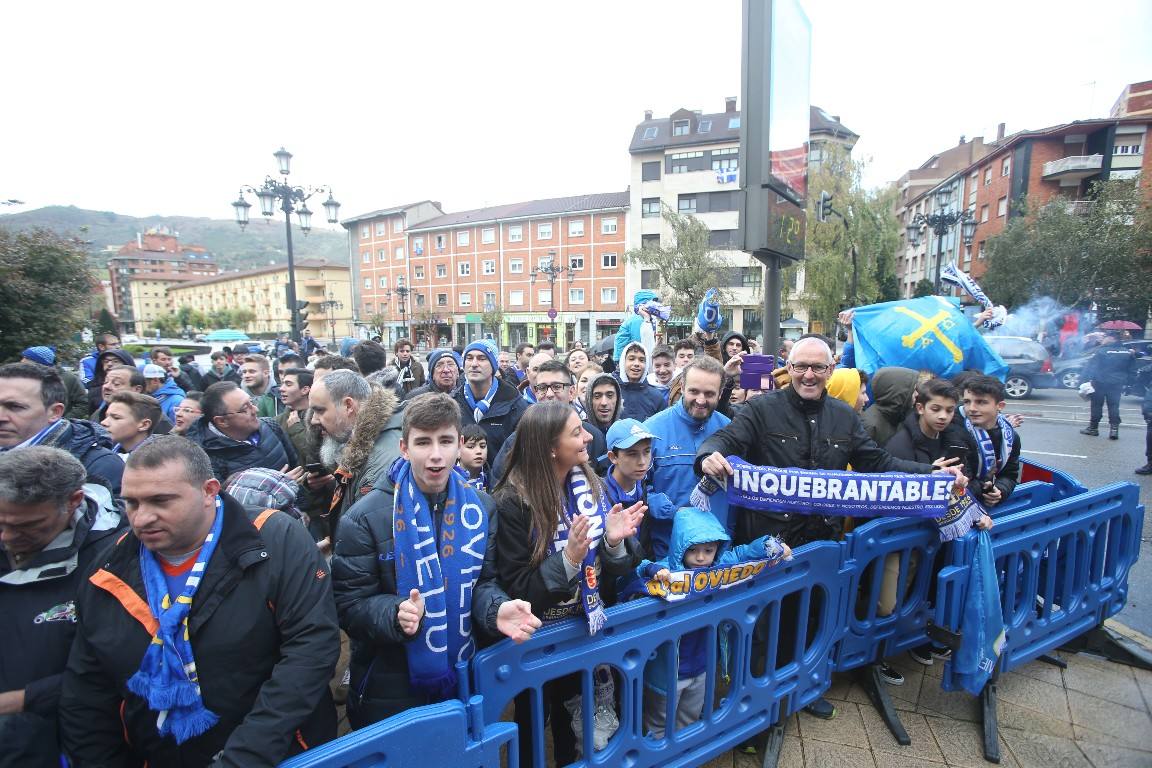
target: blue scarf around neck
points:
(440, 561)
(480, 408)
(167, 677)
(616, 494)
(988, 466)
(582, 499)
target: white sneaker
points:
(604, 723)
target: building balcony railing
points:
(1079, 207)
(1082, 165)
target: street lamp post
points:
(941, 221)
(401, 293)
(330, 308)
(291, 199)
(551, 271)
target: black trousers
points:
(1111, 395)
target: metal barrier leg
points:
(1103, 641)
(878, 695)
(991, 721)
(773, 745)
(1048, 659)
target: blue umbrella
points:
(227, 334)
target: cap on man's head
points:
(154, 372)
(42, 355)
(626, 433)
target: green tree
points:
(241, 318)
(377, 322)
(45, 287)
(862, 224)
(220, 318)
(105, 322)
(689, 267)
(924, 288)
(493, 319)
(1078, 254)
(169, 325)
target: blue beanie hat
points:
(436, 354)
(42, 355)
(488, 347)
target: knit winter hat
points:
(436, 354)
(42, 355)
(488, 347)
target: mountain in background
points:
(260, 244)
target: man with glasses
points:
(554, 383)
(443, 373)
(797, 426)
(235, 437)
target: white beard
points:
(331, 451)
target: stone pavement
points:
(1094, 714)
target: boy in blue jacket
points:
(698, 541)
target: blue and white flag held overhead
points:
(952, 274)
(929, 334)
(834, 492)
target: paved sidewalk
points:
(1094, 714)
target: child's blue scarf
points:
(167, 676)
(582, 499)
(616, 494)
(988, 466)
(480, 409)
(443, 562)
(480, 482)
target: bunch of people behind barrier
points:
(184, 567)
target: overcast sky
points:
(167, 108)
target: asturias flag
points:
(929, 333)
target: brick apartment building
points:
(433, 275)
(1038, 165)
(157, 257)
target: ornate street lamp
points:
(941, 221)
(330, 308)
(292, 199)
(549, 269)
(401, 292)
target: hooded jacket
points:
(910, 442)
(673, 454)
(728, 337)
(500, 421)
(38, 604)
(640, 399)
(892, 390)
(273, 449)
(694, 526)
(96, 383)
(91, 444)
(374, 445)
(264, 631)
(211, 377)
(589, 413)
(170, 395)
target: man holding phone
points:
(315, 492)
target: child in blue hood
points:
(698, 541)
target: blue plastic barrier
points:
(1063, 554)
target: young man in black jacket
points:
(379, 581)
(246, 600)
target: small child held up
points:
(698, 541)
(473, 462)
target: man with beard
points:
(681, 428)
(602, 401)
(361, 427)
(444, 367)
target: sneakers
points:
(921, 655)
(942, 653)
(604, 719)
(821, 708)
(1114, 432)
(889, 674)
(1145, 470)
(1090, 431)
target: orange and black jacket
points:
(265, 638)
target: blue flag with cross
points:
(929, 333)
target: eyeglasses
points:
(817, 368)
(189, 411)
(556, 387)
(246, 408)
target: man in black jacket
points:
(486, 400)
(387, 623)
(798, 426)
(53, 527)
(262, 627)
(235, 438)
(1108, 371)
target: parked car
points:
(1029, 365)
(1070, 372)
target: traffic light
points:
(303, 313)
(824, 208)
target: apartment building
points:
(1038, 165)
(159, 254)
(148, 293)
(527, 271)
(689, 162)
(264, 292)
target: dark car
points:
(1029, 365)
(1070, 372)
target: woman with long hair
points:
(558, 541)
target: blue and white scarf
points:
(167, 677)
(480, 408)
(529, 394)
(582, 499)
(988, 466)
(480, 482)
(441, 562)
(950, 274)
(617, 495)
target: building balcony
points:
(1079, 207)
(1073, 167)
